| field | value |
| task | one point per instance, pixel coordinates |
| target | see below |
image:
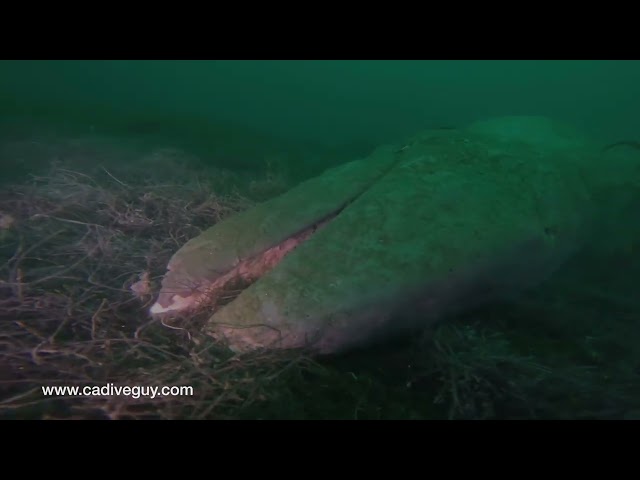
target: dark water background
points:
(234, 113)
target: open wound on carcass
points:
(214, 294)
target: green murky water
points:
(567, 350)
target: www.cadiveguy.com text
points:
(111, 390)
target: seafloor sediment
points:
(84, 243)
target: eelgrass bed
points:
(82, 250)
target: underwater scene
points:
(320, 239)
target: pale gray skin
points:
(451, 220)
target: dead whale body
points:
(399, 239)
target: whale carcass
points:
(395, 241)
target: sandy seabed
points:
(83, 246)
